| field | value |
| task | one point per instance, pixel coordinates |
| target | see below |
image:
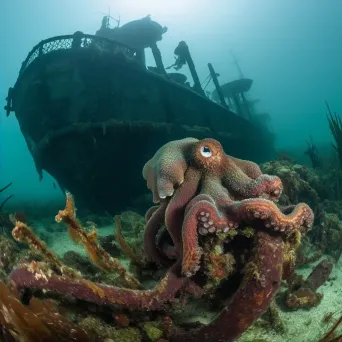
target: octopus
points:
(203, 191)
(202, 196)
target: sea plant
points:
(7, 198)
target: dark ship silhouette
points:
(92, 113)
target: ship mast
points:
(248, 103)
(235, 61)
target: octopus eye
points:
(206, 151)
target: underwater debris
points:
(307, 253)
(302, 294)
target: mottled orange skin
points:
(206, 191)
(200, 178)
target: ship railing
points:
(78, 40)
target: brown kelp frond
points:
(5, 187)
(125, 247)
(330, 335)
(37, 322)
(89, 240)
(22, 233)
(335, 125)
(312, 153)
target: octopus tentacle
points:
(165, 247)
(175, 210)
(200, 197)
(24, 277)
(242, 186)
(261, 281)
(254, 209)
(150, 212)
(211, 185)
(210, 213)
(251, 169)
(152, 228)
(201, 216)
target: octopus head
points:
(208, 155)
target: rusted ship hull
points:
(92, 117)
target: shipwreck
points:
(92, 112)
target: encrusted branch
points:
(125, 247)
(26, 277)
(22, 233)
(89, 240)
